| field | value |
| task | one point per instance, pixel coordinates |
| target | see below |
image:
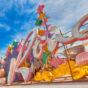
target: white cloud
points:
(7, 28)
(3, 51)
(63, 13)
(20, 36)
(25, 6)
(5, 4)
(28, 25)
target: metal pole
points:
(67, 58)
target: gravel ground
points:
(55, 85)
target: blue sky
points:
(17, 17)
